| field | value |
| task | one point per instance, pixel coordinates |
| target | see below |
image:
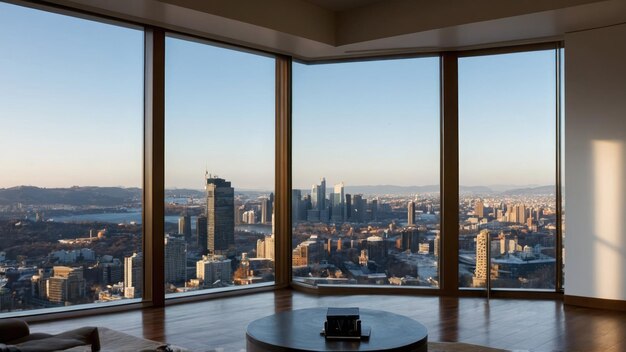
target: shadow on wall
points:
(607, 253)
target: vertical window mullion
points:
(559, 195)
(283, 172)
(154, 166)
(449, 262)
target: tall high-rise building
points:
(133, 276)
(108, 273)
(270, 211)
(321, 195)
(249, 217)
(517, 214)
(201, 232)
(511, 214)
(266, 210)
(66, 285)
(220, 215)
(314, 195)
(318, 195)
(358, 208)
(348, 209)
(239, 210)
(409, 240)
(479, 209)
(338, 203)
(184, 225)
(374, 209)
(411, 213)
(213, 269)
(521, 214)
(376, 248)
(265, 247)
(260, 248)
(296, 205)
(538, 214)
(480, 273)
(175, 259)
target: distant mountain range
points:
(498, 189)
(531, 190)
(97, 196)
(116, 196)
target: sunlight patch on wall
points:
(608, 217)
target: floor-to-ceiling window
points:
(365, 201)
(507, 170)
(219, 175)
(366, 164)
(71, 114)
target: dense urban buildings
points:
(96, 260)
(394, 239)
(342, 237)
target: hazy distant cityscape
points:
(395, 239)
(84, 244)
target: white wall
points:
(595, 163)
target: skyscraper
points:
(133, 276)
(409, 239)
(521, 214)
(314, 195)
(270, 209)
(481, 271)
(338, 203)
(321, 195)
(374, 209)
(67, 285)
(175, 259)
(265, 247)
(358, 208)
(266, 210)
(184, 225)
(220, 215)
(297, 206)
(213, 270)
(318, 195)
(479, 209)
(411, 213)
(201, 232)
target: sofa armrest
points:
(12, 329)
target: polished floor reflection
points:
(535, 325)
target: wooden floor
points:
(535, 325)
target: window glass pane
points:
(507, 173)
(366, 173)
(71, 111)
(219, 178)
(562, 146)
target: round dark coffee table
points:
(299, 330)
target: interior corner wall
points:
(595, 163)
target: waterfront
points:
(134, 216)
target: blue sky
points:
(219, 114)
(71, 105)
(71, 101)
(507, 119)
(364, 123)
